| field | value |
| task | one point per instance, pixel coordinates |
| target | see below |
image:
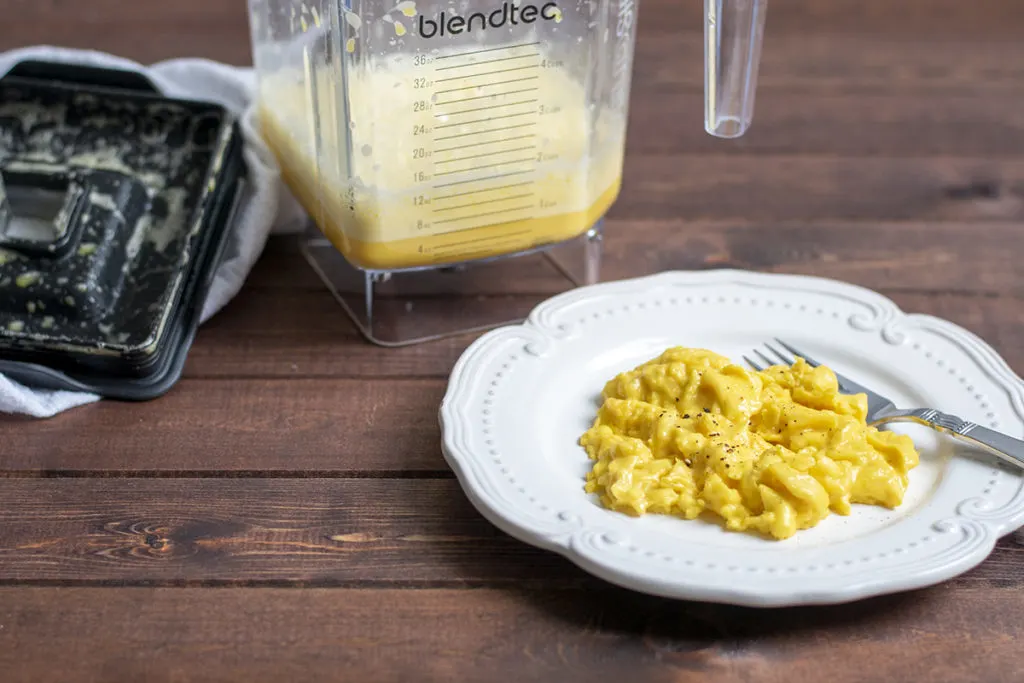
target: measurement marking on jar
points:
(486, 61)
(474, 145)
(480, 180)
(482, 190)
(485, 239)
(458, 251)
(487, 97)
(503, 238)
(487, 108)
(483, 166)
(483, 215)
(470, 82)
(486, 73)
(487, 85)
(490, 118)
(490, 49)
(494, 240)
(481, 132)
(485, 201)
(487, 154)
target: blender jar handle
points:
(733, 31)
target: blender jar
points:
(425, 136)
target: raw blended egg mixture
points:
(423, 160)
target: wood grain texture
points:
(313, 531)
(238, 343)
(217, 28)
(285, 513)
(96, 635)
(921, 124)
(144, 31)
(824, 61)
(255, 530)
(851, 45)
(766, 189)
(279, 424)
(289, 416)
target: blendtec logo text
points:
(507, 14)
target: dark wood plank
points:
(95, 635)
(765, 189)
(847, 45)
(297, 423)
(823, 60)
(313, 337)
(217, 28)
(884, 152)
(817, 122)
(311, 530)
(146, 32)
(969, 257)
(285, 425)
(308, 530)
(665, 62)
(935, 20)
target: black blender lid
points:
(115, 205)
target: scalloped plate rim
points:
(521, 529)
(682, 591)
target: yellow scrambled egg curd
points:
(771, 451)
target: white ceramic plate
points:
(520, 397)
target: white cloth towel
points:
(267, 207)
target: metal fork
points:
(882, 410)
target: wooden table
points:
(284, 514)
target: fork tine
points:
(846, 385)
(786, 360)
(753, 364)
(768, 361)
(810, 361)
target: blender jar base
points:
(403, 307)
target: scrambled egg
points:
(772, 451)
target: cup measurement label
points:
(476, 130)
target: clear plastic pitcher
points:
(425, 133)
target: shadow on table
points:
(666, 625)
(567, 598)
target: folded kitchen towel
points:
(268, 206)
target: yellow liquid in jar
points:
(466, 157)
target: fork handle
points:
(1005, 447)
